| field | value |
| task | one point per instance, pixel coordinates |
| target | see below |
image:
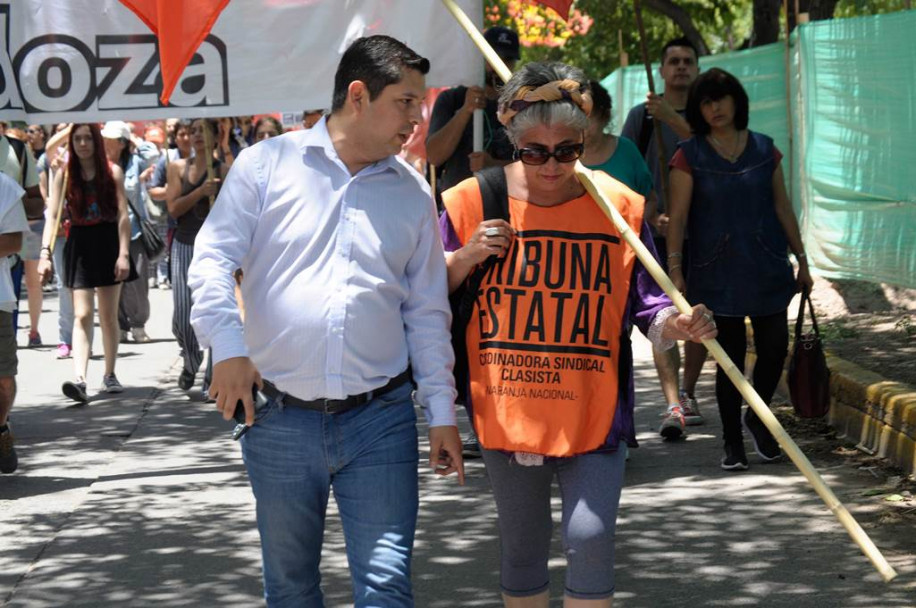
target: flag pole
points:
(735, 375)
(208, 144)
(60, 212)
(659, 139)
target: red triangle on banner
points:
(560, 6)
(181, 26)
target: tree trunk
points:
(683, 19)
(766, 22)
(817, 10)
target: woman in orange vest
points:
(548, 351)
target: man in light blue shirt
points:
(345, 291)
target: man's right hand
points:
(474, 99)
(232, 381)
(658, 108)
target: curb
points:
(879, 414)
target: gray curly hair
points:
(563, 112)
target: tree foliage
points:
(592, 37)
(722, 24)
(858, 8)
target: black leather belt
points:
(335, 406)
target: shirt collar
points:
(318, 137)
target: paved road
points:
(142, 500)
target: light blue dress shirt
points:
(345, 276)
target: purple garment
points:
(644, 301)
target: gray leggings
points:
(590, 492)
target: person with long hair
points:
(549, 357)
(729, 193)
(179, 134)
(96, 254)
(620, 158)
(267, 127)
(188, 195)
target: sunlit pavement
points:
(141, 499)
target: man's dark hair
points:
(682, 41)
(377, 61)
(601, 101)
(713, 85)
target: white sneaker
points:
(125, 337)
(139, 335)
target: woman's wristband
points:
(673, 268)
(676, 254)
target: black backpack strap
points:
(494, 192)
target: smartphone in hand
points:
(239, 415)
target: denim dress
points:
(739, 264)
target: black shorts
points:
(90, 256)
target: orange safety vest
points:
(542, 340)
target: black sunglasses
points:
(539, 156)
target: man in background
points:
(679, 68)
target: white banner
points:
(94, 60)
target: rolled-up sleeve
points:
(427, 318)
(219, 249)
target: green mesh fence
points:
(852, 159)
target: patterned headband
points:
(557, 90)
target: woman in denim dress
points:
(728, 193)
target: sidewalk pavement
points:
(141, 499)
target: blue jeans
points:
(64, 297)
(369, 456)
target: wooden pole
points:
(744, 387)
(60, 212)
(624, 56)
(659, 139)
(208, 144)
(763, 412)
(789, 123)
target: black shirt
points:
(457, 168)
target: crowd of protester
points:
(88, 189)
